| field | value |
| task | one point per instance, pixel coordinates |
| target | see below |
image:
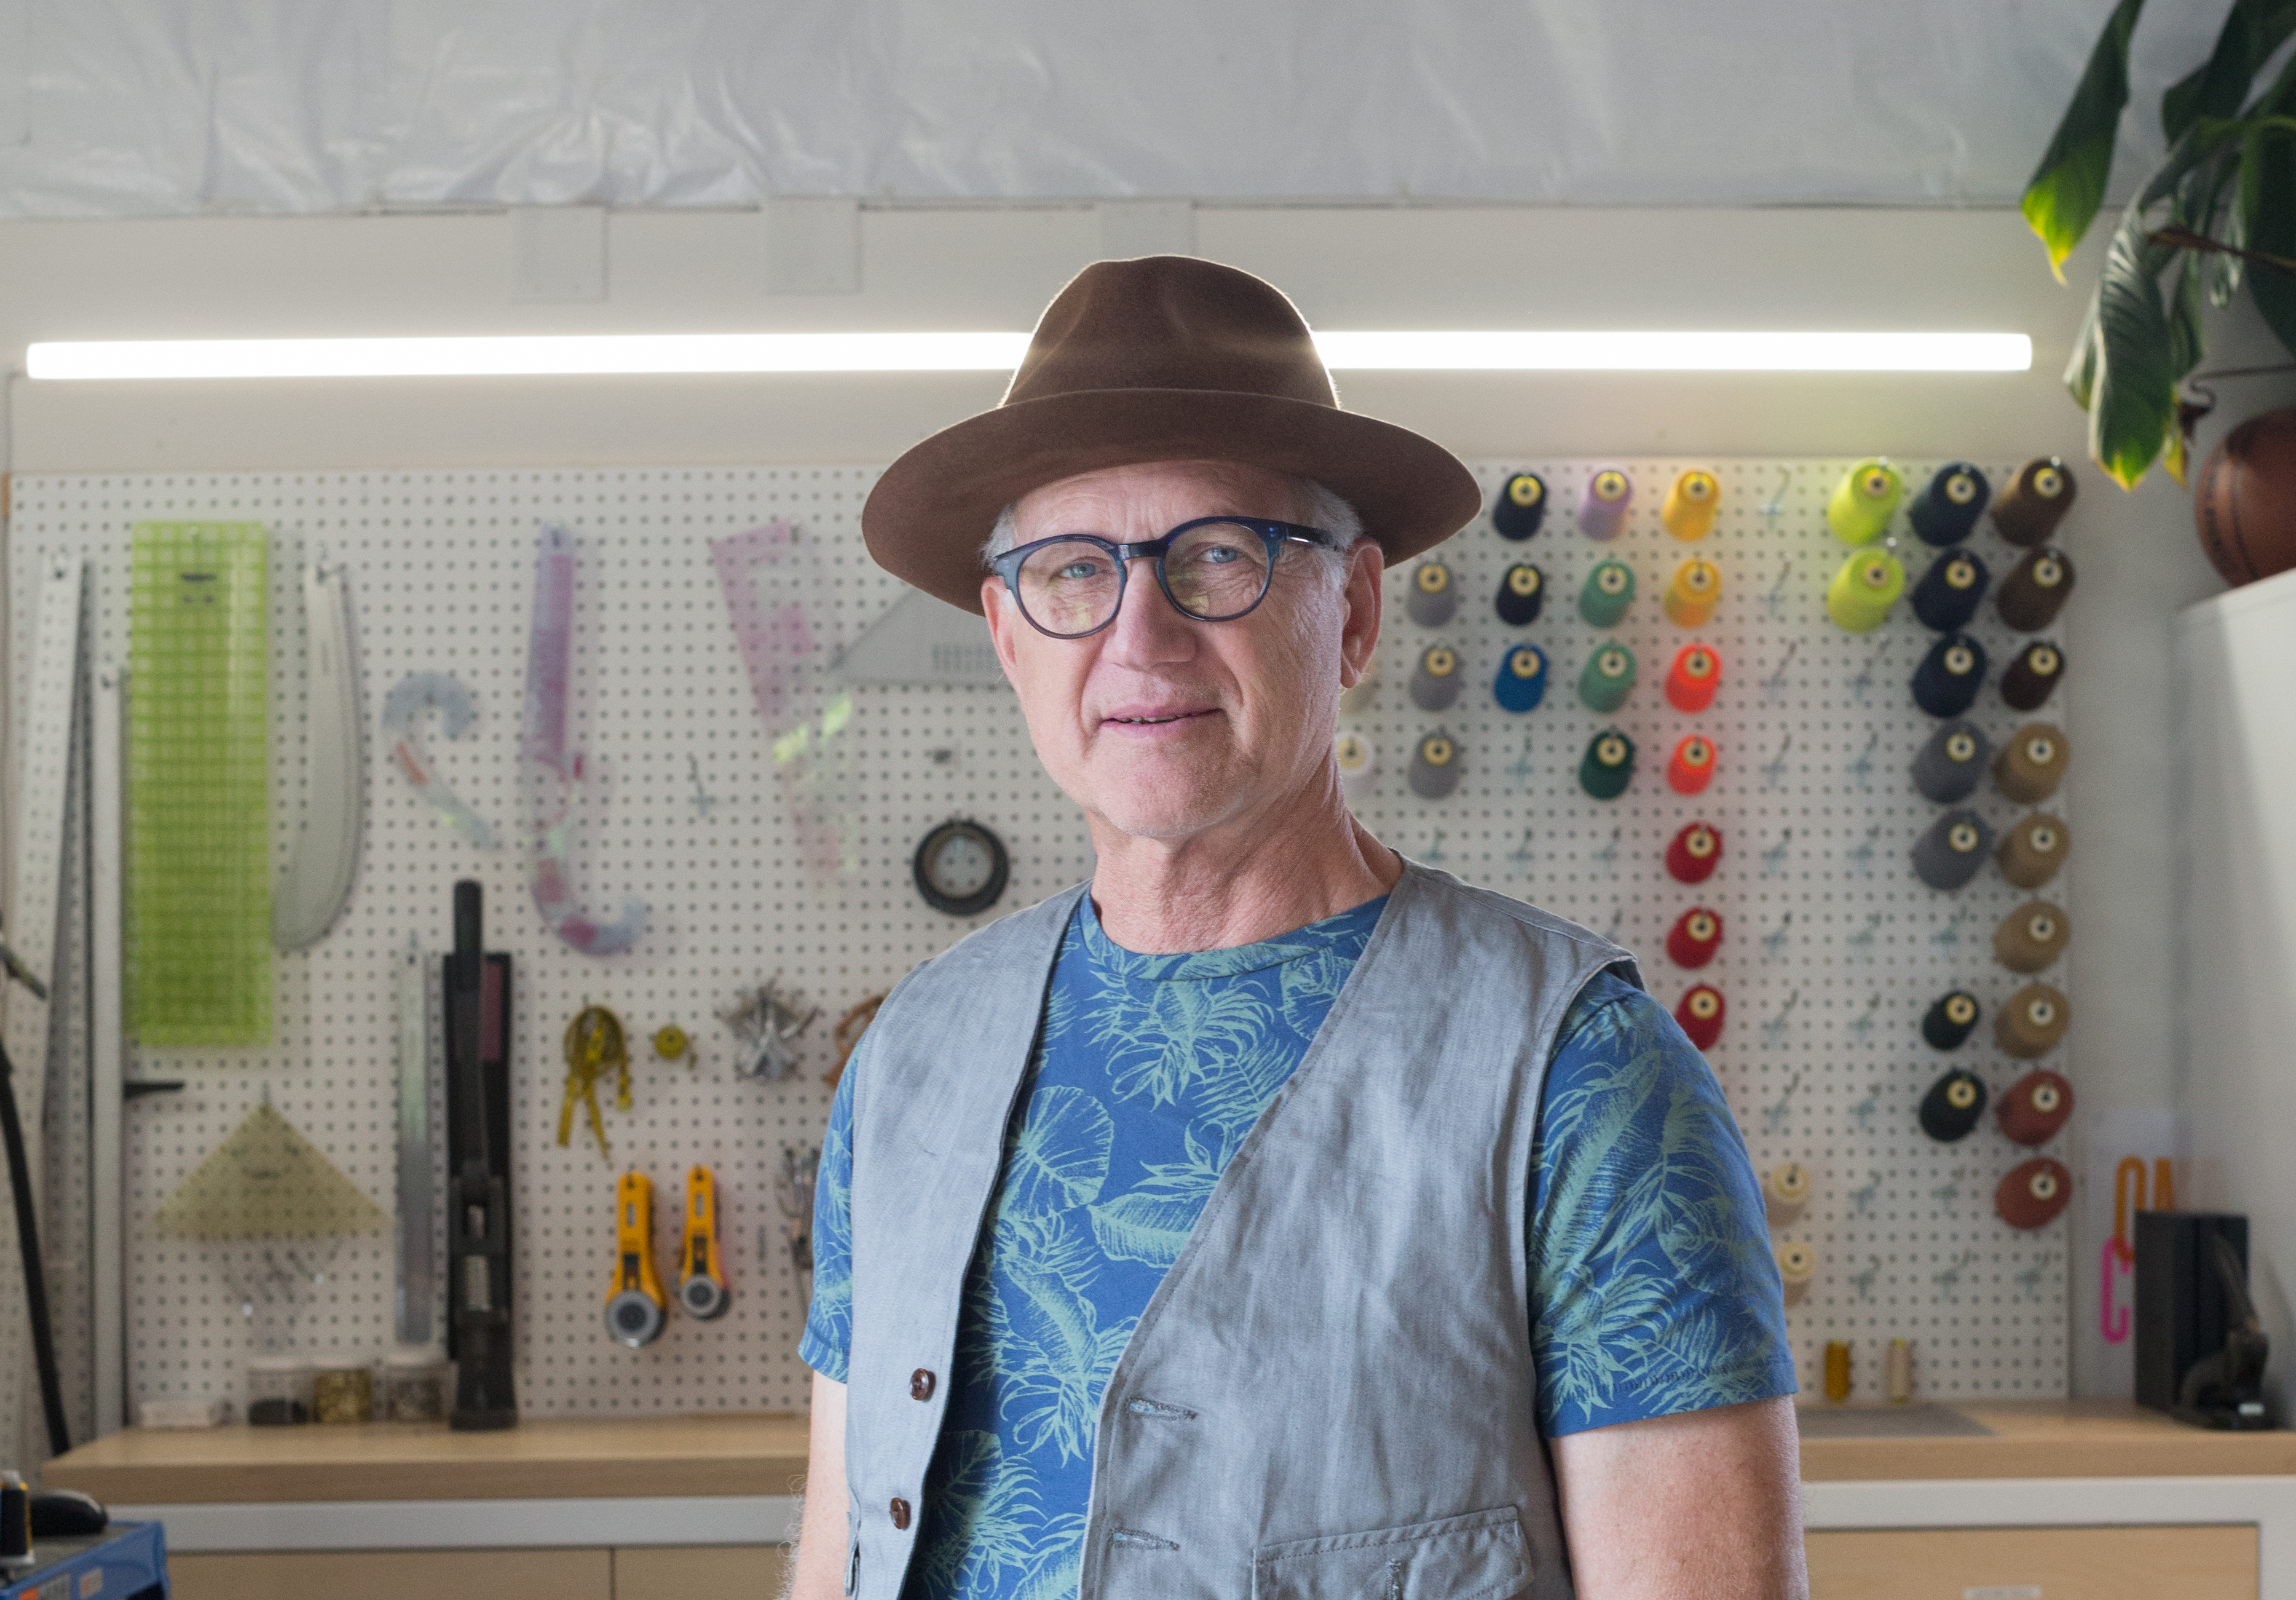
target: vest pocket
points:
(1479, 1557)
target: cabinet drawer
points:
(686, 1571)
(393, 1574)
(2035, 1563)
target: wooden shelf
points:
(2056, 1439)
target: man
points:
(1278, 1217)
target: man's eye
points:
(1078, 570)
(1217, 556)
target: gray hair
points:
(1317, 506)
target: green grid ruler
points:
(199, 784)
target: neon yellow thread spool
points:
(1688, 510)
(1859, 508)
(1862, 592)
(1692, 592)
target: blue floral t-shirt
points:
(1654, 1290)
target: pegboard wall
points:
(1832, 950)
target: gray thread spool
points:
(1434, 597)
(1947, 769)
(1435, 766)
(1949, 855)
(1435, 681)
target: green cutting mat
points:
(199, 784)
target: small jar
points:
(415, 1385)
(342, 1391)
(278, 1391)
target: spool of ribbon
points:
(1522, 593)
(2032, 678)
(1950, 763)
(1608, 767)
(1520, 507)
(1607, 678)
(1859, 509)
(1946, 596)
(1603, 512)
(1867, 585)
(1692, 592)
(1608, 591)
(1522, 681)
(1694, 678)
(1946, 507)
(2035, 502)
(1688, 510)
(1946, 681)
(1951, 853)
(1692, 767)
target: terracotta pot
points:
(2244, 504)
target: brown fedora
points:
(1164, 358)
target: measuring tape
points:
(700, 1264)
(635, 1307)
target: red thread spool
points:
(2036, 1107)
(1693, 679)
(1695, 936)
(1694, 853)
(1702, 1015)
(1693, 765)
(2033, 1192)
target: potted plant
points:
(2219, 213)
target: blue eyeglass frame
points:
(1275, 534)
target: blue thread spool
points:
(1608, 767)
(1949, 503)
(1522, 682)
(1520, 507)
(1946, 596)
(1522, 593)
(1607, 678)
(1947, 769)
(1946, 683)
(1949, 855)
(1608, 591)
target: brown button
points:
(921, 1384)
(900, 1513)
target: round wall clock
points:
(961, 868)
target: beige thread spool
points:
(1898, 1380)
(1786, 1190)
(1797, 1265)
(2031, 938)
(2030, 853)
(2032, 1022)
(2033, 763)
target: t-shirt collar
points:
(1352, 925)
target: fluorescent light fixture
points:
(591, 354)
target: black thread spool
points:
(1947, 682)
(2035, 502)
(1947, 769)
(1952, 1109)
(1520, 507)
(1950, 1019)
(1947, 507)
(2032, 678)
(1949, 855)
(1946, 596)
(2036, 590)
(1522, 593)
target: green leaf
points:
(2133, 398)
(2269, 227)
(2068, 187)
(2252, 31)
(2080, 371)
(2186, 304)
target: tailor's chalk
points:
(1859, 509)
(2034, 1193)
(2032, 852)
(1522, 681)
(1947, 767)
(1353, 754)
(1695, 936)
(1688, 511)
(1523, 592)
(1603, 512)
(1691, 767)
(1949, 1019)
(2033, 763)
(1946, 596)
(1434, 767)
(1946, 683)
(1867, 585)
(2032, 1022)
(1693, 679)
(2036, 590)
(1520, 507)
(1607, 678)
(1701, 1014)
(2036, 1108)
(2032, 678)
(1608, 767)
(1435, 681)
(1692, 854)
(1691, 594)
(2031, 938)
(1608, 591)
(1950, 1110)
(1951, 853)
(1433, 598)
(2035, 502)
(1944, 509)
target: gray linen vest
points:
(1332, 1394)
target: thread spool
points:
(1435, 681)
(1867, 585)
(1695, 936)
(1859, 509)
(1692, 680)
(1786, 1190)
(1945, 508)
(2035, 502)
(1837, 1371)
(1692, 854)
(2031, 938)
(1608, 767)
(2032, 852)
(1520, 507)
(1358, 696)
(1797, 1265)
(1950, 1112)
(2033, 763)
(1949, 854)
(1607, 678)
(1434, 598)
(1352, 753)
(1949, 1019)
(1702, 1013)
(2033, 1023)
(1608, 591)
(1950, 762)
(1692, 765)
(1946, 596)
(1898, 1385)
(2032, 678)
(1522, 681)
(1687, 513)
(1522, 594)
(1604, 510)
(1950, 674)
(15, 1526)
(1692, 592)
(1434, 767)
(2036, 589)
(2036, 1108)
(2033, 1193)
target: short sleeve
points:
(1654, 1289)
(828, 1339)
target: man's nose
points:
(1148, 628)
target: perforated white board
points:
(440, 577)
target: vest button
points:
(900, 1513)
(921, 1384)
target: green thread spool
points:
(1858, 510)
(1608, 767)
(1862, 591)
(1607, 678)
(1608, 591)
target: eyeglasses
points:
(1213, 570)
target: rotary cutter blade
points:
(701, 1262)
(636, 1308)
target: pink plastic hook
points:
(2112, 1318)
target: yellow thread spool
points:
(1837, 1370)
(1692, 592)
(1688, 510)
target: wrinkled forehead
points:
(1148, 497)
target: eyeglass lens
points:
(1213, 572)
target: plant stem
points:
(2184, 238)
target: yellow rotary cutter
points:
(635, 1306)
(701, 1263)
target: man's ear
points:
(1362, 596)
(1004, 622)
